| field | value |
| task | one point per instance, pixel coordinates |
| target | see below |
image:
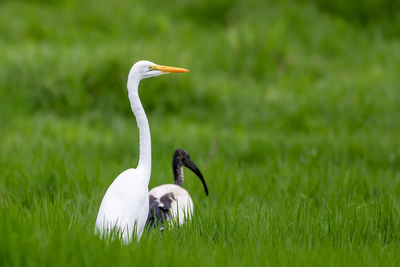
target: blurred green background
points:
(291, 110)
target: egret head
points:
(145, 69)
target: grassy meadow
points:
(291, 111)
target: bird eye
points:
(150, 67)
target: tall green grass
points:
(291, 111)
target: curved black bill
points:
(190, 164)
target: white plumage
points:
(171, 201)
(181, 206)
(125, 205)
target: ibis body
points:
(171, 201)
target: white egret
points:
(125, 205)
(172, 201)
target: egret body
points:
(125, 205)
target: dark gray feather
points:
(159, 210)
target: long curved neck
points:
(177, 169)
(143, 125)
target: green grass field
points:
(291, 110)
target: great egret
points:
(172, 199)
(125, 205)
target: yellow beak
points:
(168, 69)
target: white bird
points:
(125, 205)
(172, 201)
